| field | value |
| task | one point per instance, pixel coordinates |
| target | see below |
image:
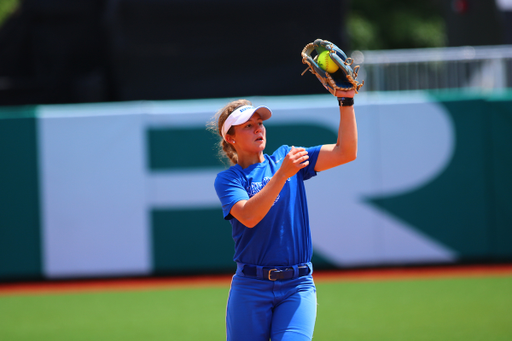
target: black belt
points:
(273, 274)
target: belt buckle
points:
(270, 273)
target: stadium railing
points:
(478, 68)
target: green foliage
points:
(395, 24)
(362, 33)
(7, 7)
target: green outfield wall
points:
(126, 189)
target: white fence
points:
(468, 67)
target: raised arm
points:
(345, 149)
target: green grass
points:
(439, 309)
(194, 314)
(457, 309)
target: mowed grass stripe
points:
(468, 309)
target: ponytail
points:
(226, 150)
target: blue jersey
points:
(283, 236)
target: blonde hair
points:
(225, 149)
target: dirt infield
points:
(129, 284)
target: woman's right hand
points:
(295, 160)
(251, 212)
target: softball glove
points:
(343, 79)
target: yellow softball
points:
(326, 63)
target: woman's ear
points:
(230, 138)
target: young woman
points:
(272, 294)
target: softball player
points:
(272, 293)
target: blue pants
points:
(259, 310)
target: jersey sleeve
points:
(309, 171)
(230, 190)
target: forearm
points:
(345, 149)
(346, 144)
(251, 212)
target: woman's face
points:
(250, 136)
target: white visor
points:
(242, 115)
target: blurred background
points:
(58, 51)
(93, 92)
